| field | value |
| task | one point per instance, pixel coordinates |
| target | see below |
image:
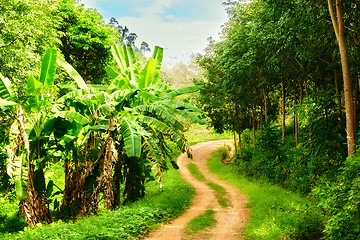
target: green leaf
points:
(39, 180)
(66, 139)
(6, 103)
(159, 111)
(147, 74)
(119, 57)
(77, 117)
(33, 85)
(49, 188)
(185, 90)
(148, 96)
(102, 128)
(19, 175)
(158, 56)
(159, 125)
(132, 138)
(48, 68)
(121, 81)
(56, 204)
(125, 58)
(6, 91)
(72, 73)
(111, 72)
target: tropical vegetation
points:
(288, 71)
(89, 124)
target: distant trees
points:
(144, 47)
(24, 37)
(85, 40)
(128, 38)
(182, 73)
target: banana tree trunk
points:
(34, 207)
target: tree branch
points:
(333, 18)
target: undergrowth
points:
(128, 222)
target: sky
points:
(181, 27)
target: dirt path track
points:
(229, 219)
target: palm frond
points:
(6, 90)
(48, 67)
(132, 138)
(77, 117)
(72, 72)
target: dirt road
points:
(229, 219)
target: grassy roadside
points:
(275, 213)
(128, 222)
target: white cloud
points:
(156, 7)
(178, 36)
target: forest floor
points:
(229, 220)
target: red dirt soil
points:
(230, 220)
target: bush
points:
(10, 220)
(341, 200)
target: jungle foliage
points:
(69, 96)
(280, 68)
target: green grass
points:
(194, 170)
(275, 213)
(220, 192)
(201, 223)
(128, 222)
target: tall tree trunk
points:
(240, 143)
(283, 110)
(306, 89)
(295, 118)
(337, 89)
(356, 98)
(238, 127)
(254, 127)
(234, 117)
(235, 145)
(265, 104)
(338, 24)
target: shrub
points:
(341, 200)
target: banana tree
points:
(147, 119)
(30, 133)
(124, 126)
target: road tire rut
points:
(230, 219)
